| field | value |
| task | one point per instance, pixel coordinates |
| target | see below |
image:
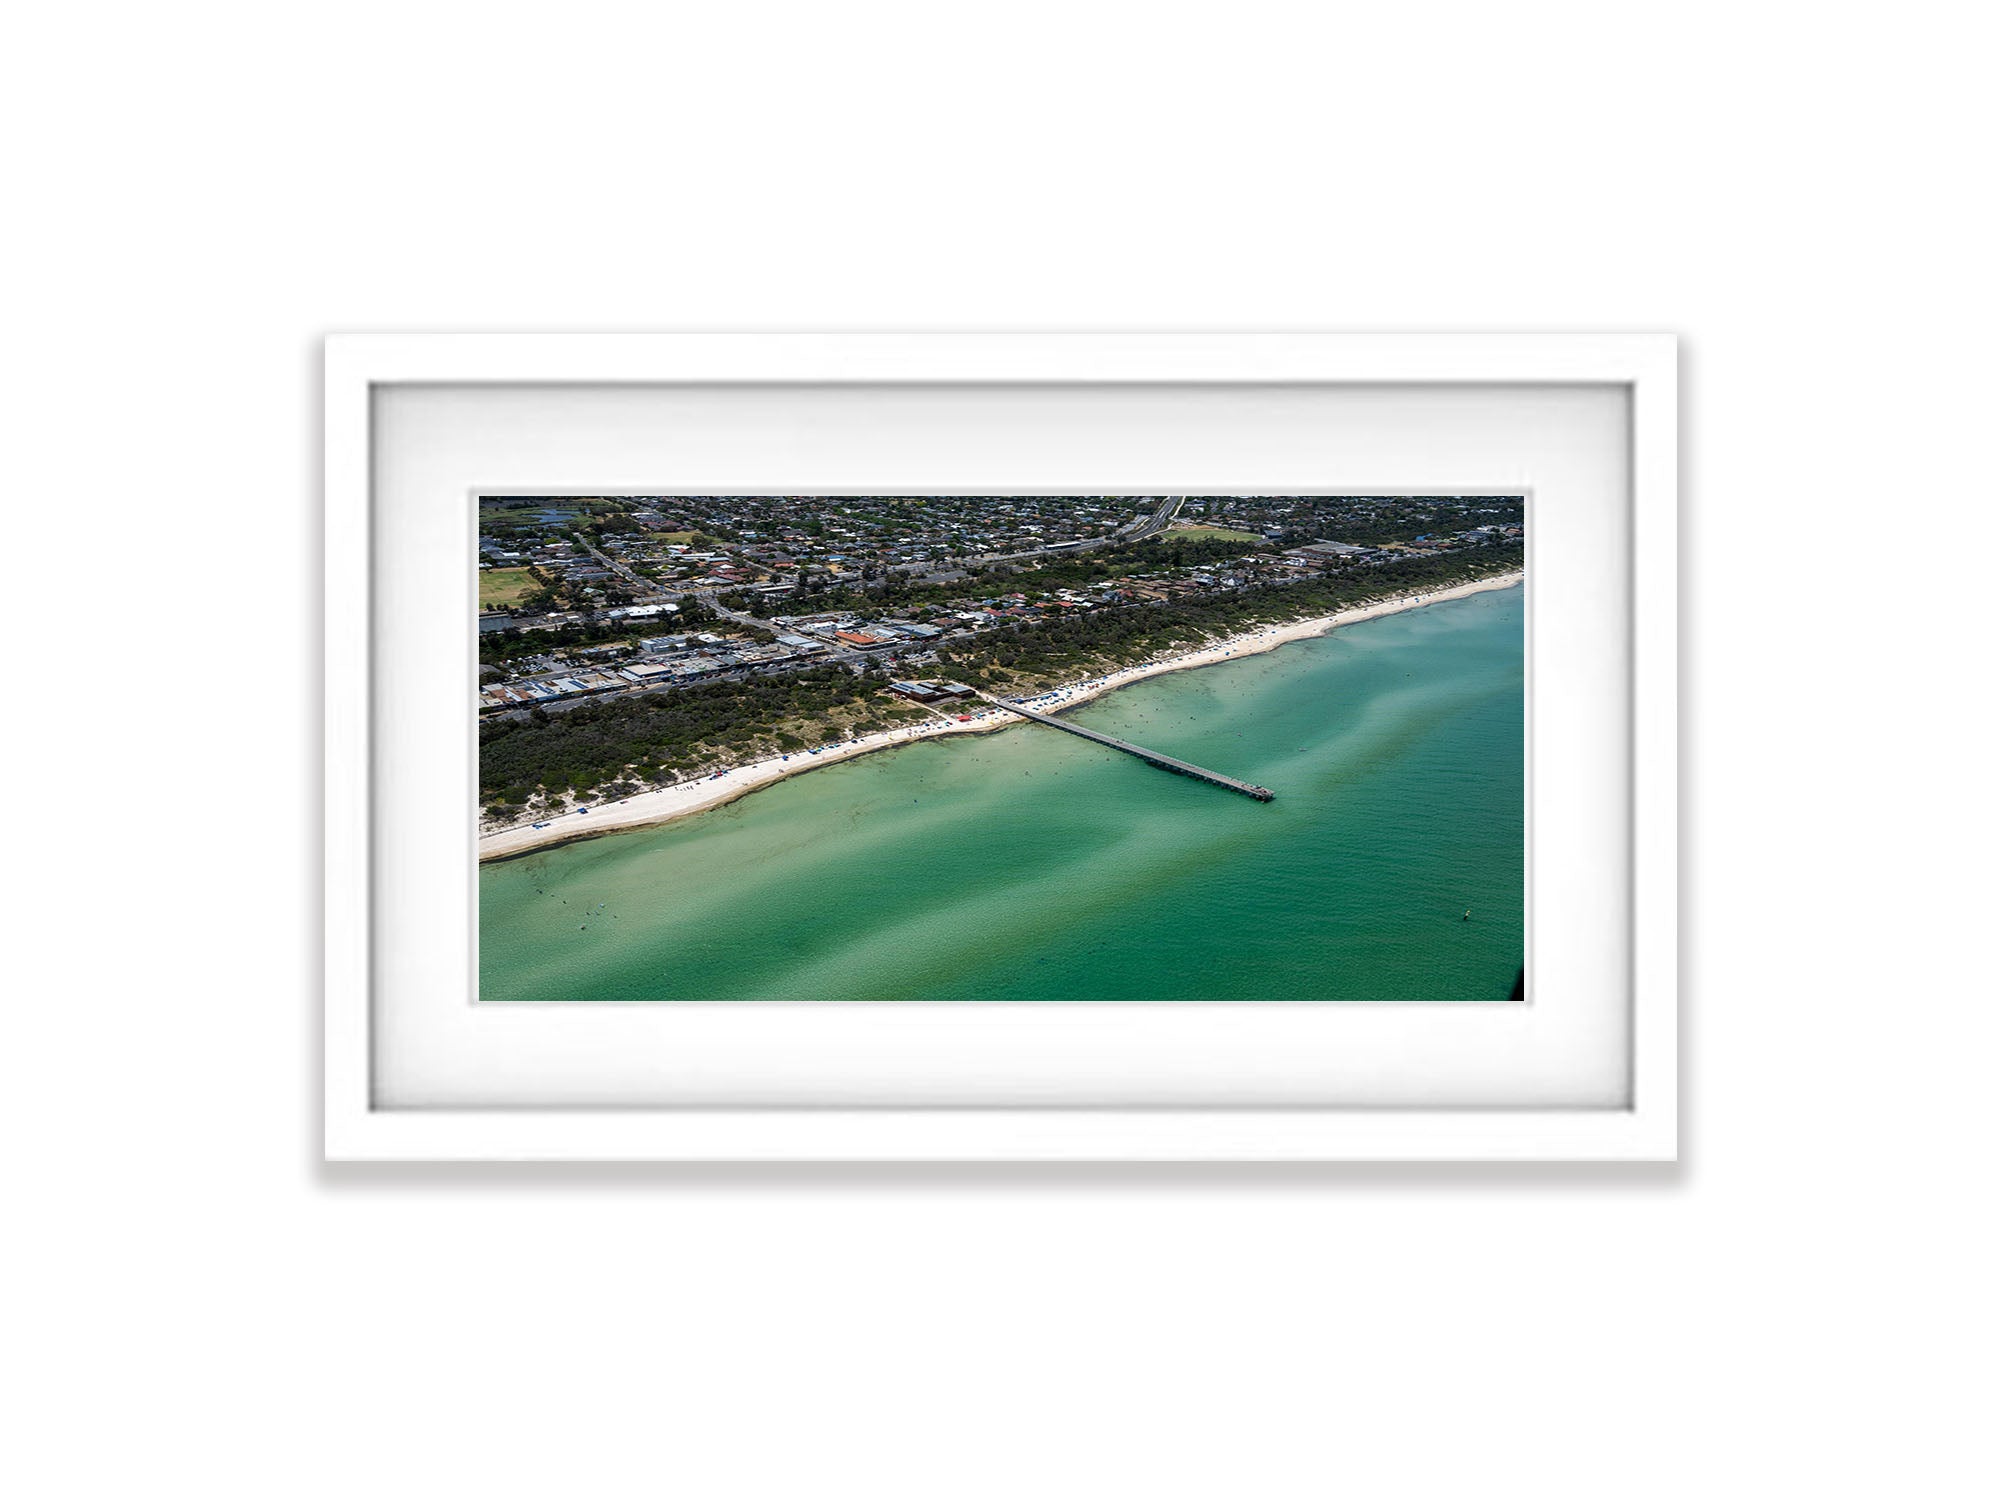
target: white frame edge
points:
(1647, 1131)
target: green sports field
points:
(503, 586)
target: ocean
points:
(1032, 865)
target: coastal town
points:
(639, 642)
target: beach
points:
(651, 808)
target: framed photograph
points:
(1052, 747)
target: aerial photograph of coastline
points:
(1064, 748)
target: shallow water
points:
(1033, 865)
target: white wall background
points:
(199, 191)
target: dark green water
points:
(1033, 865)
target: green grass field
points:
(503, 586)
(1214, 534)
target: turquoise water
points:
(1034, 865)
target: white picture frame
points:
(360, 1124)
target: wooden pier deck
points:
(1153, 757)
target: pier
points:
(1152, 757)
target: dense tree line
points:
(657, 738)
(1034, 654)
(1170, 549)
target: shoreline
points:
(652, 808)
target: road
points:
(834, 650)
(640, 586)
(1170, 506)
(1132, 531)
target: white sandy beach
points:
(644, 809)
